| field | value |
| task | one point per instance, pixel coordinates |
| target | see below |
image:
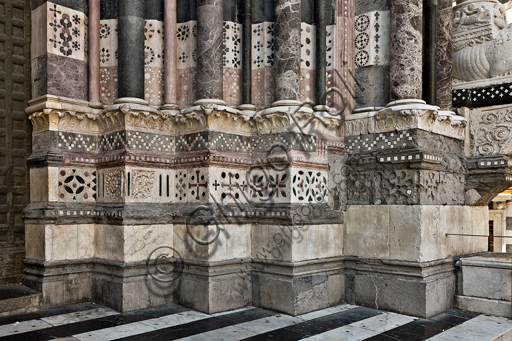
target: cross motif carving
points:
(230, 185)
(197, 184)
(216, 184)
(254, 186)
(277, 185)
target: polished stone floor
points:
(346, 322)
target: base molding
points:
(418, 289)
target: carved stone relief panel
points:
(491, 131)
(112, 185)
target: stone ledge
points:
(66, 114)
(485, 306)
(406, 116)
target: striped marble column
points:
(94, 52)
(406, 49)
(131, 48)
(108, 51)
(321, 46)
(170, 86)
(209, 81)
(331, 46)
(154, 52)
(287, 50)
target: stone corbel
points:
(487, 177)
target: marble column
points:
(131, 48)
(406, 49)
(94, 52)
(444, 53)
(429, 51)
(209, 79)
(170, 87)
(247, 52)
(321, 46)
(287, 50)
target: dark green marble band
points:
(429, 51)
(247, 52)
(131, 48)
(232, 10)
(321, 47)
(307, 11)
(108, 9)
(154, 10)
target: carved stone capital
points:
(406, 116)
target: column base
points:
(417, 289)
(296, 288)
(212, 287)
(131, 100)
(205, 101)
(287, 103)
(170, 106)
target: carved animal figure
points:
(482, 40)
(486, 59)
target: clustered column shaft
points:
(321, 47)
(429, 51)
(94, 51)
(209, 49)
(247, 52)
(406, 49)
(287, 49)
(170, 88)
(131, 48)
(444, 55)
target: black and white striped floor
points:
(172, 322)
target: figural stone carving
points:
(482, 41)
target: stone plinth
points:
(486, 284)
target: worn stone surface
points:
(374, 84)
(484, 306)
(444, 50)
(287, 50)
(406, 49)
(388, 290)
(363, 6)
(412, 233)
(209, 49)
(486, 277)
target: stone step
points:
(484, 305)
(19, 299)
